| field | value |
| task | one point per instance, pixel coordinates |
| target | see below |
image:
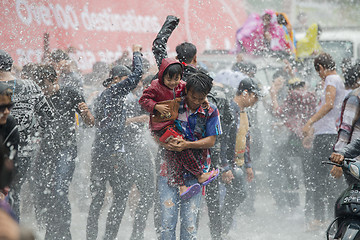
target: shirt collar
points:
(199, 110)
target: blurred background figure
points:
(66, 70)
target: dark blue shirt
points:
(109, 110)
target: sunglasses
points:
(8, 106)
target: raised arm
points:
(159, 44)
(124, 87)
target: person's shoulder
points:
(212, 110)
(154, 84)
(336, 79)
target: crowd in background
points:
(48, 111)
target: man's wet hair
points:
(346, 64)
(28, 71)
(352, 76)
(248, 84)
(325, 60)
(174, 70)
(45, 72)
(59, 55)
(199, 82)
(6, 61)
(186, 52)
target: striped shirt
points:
(197, 125)
(349, 128)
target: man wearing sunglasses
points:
(9, 135)
(31, 111)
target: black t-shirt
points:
(31, 111)
(10, 135)
(61, 132)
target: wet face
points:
(173, 82)
(47, 86)
(5, 108)
(249, 99)
(116, 80)
(194, 99)
(321, 71)
(62, 67)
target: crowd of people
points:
(45, 108)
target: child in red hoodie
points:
(167, 87)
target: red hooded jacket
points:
(158, 92)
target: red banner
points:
(102, 30)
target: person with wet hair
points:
(138, 160)
(55, 162)
(28, 71)
(199, 127)
(186, 51)
(31, 112)
(278, 134)
(168, 87)
(66, 69)
(108, 153)
(297, 107)
(220, 97)
(238, 152)
(186, 54)
(324, 126)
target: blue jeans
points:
(56, 167)
(170, 204)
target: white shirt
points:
(229, 78)
(329, 123)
